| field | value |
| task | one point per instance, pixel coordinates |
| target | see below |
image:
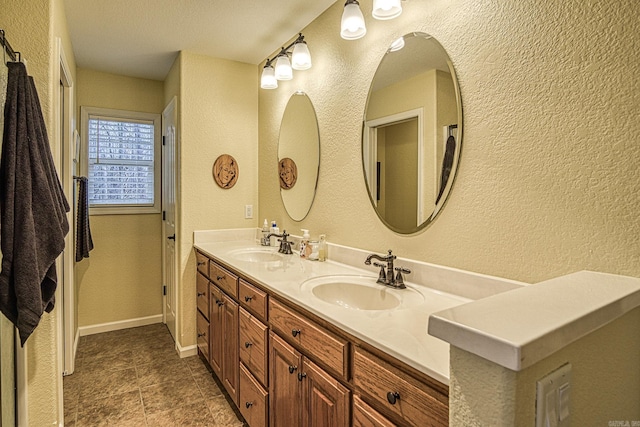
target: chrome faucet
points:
(285, 245)
(387, 277)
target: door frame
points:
(171, 106)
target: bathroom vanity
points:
(290, 350)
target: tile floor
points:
(134, 377)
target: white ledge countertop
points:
(516, 329)
(400, 332)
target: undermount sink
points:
(360, 293)
(257, 255)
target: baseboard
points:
(188, 351)
(116, 326)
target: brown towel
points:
(32, 208)
(84, 243)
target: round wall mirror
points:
(298, 156)
(412, 133)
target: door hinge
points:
(163, 140)
(164, 289)
(164, 215)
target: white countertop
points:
(400, 332)
(516, 329)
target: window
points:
(122, 160)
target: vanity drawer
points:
(202, 294)
(202, 328)
(225, 280)
(253, 401)
(365, 416)
(203, 263)
(253, 345)
(416, 403)
(253, 299)
(325, 347)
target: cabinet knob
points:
(201, 334)
(248, 405)
(295, 332)
(292, 368)
(247, 344)
(393, 397)
(220, 303)
(201, 294)
(219, 277)
(301, 376)
(202, 262)
(247, 299)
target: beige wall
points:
(32, 28)
(218, 115)
(605, 381)
(548, 181)
(121, 279)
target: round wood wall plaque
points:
(225, 171)
(288, 173)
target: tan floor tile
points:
(196, 365)
(162, 371)
(222, 413)
(195, 414)
(99, 385)
(164, 396)
(119, 410)
(207, 385)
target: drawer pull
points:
(301, 376)
(295, 332)
(202, 263)
(201, 294)
(248, 405)
(292, 368)
(219, 277)
(201, 334)
(393, 396)
(247, 299)
(247, 344)
(219, 302)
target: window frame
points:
(123, 209)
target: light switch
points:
(552, 398)
(563, 404)
(248, 211)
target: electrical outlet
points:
(552, 398)
(248, 211)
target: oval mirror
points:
(412, 133)
(298, 156)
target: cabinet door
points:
(365, 416)
(285, 393)
(326, 400)
(230, 362)
(215, 330)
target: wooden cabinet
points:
(216, 331)
(283, 366)
(230, 360)
(365, 416)
(411, 401)
(326, 347)
(253, 403)
(254, 339)
(301, 392)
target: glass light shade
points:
(397, 44)
(301, 58)
(283, 68)
(352, 27)
(268, 79)
(386, 9)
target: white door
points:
(169, 270)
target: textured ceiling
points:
(141, 38)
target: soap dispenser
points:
(304, 243)
(274, 230)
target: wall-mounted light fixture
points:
(353, 27)
(300, 60)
